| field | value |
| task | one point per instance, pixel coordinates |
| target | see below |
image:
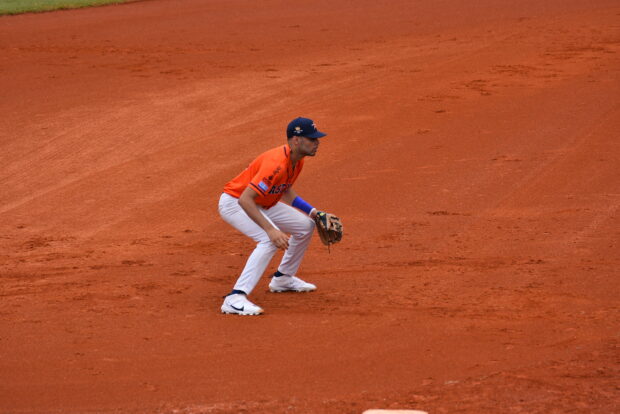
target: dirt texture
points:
(473, 155)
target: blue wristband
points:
(301, 204)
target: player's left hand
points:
(329, 227)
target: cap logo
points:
(298, 130)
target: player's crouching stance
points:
(261, 203)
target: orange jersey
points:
(270, 175)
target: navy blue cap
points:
(303, 127)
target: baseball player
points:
(262, 204)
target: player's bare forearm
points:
(289, 196)
(248, 204)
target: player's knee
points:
(306, 227)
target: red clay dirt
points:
(473, 155)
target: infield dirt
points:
(473, 155)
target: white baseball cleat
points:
(290, 284)
(240, 305)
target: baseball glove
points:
(329, 228)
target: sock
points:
(236, 291)
(278, 274)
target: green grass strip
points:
(35, 6)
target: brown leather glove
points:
(329, 228)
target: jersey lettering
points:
(277, 189)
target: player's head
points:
(303, 127)
(303, 137)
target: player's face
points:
(308, 146)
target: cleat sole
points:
(292, 290)
(242, 314)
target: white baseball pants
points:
(286, 219)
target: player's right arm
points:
(248, 204)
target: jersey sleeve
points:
(265, 175)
